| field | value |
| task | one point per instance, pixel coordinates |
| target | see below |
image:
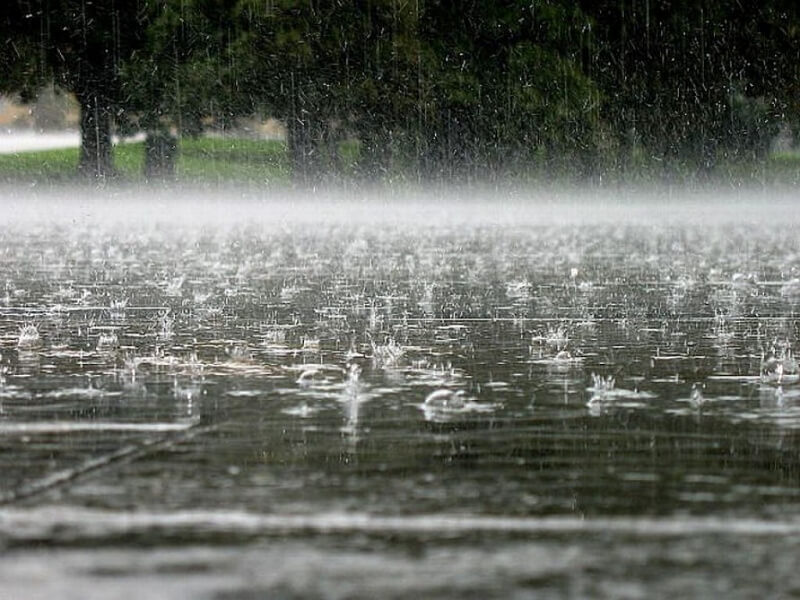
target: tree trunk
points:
(95, 156)
(160, 155)
(375, 160)
(306, 146)
(297, 142)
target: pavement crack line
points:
(123, 455)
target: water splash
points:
(28, 338)
(780, 366)
(696, 399)
(388, 354)
(602, 388)
(107, 342)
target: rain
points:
(357, 300)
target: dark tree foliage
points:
(695, 81)
(504, 86)
(436, 89)
(182, 78)
(81, 46)
(332, 70)
(424, 89)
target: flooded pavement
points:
(322, 400)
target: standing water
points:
(233, 398)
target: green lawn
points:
(201, 160)
(45, 165)
(211, 160)
(231, 159)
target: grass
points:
(232, 159)
(49, 165)
(200, 160)
(215, 160)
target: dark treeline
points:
(424, 89)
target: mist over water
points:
(433, 206)
(562, 393)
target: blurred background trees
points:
(423, 89)
(80, 46)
